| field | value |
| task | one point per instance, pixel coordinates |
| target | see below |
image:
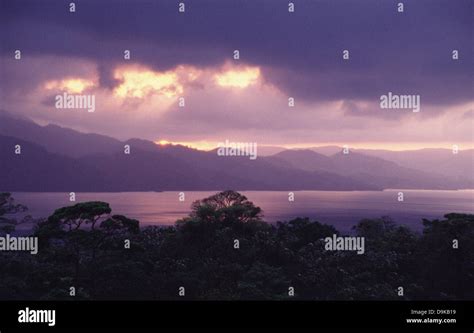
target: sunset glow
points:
(72, 86)
(139, 83)
(238, 78)
(210, 145)
(384, 145)
(200, 145)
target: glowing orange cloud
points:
(238, 78)
(201, 145)
(139, 83)
(70, 85)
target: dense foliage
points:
(86, 247)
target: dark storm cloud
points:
(406, 53)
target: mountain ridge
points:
(101, 164)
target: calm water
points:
(341, 209)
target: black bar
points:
(387, 315)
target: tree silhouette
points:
(224, 250)
(9, 207)
(224, 207)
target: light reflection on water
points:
(339, 208)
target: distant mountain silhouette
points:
(389, 174)
(436, 161)
(37, 170)
(56, 139)
(61, 159)
(304, 159)
(376, 171)
(52, 163)
(327, 150)
(439, 161)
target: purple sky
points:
(282, 55)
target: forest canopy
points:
(100, 255)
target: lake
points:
(339, 208)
